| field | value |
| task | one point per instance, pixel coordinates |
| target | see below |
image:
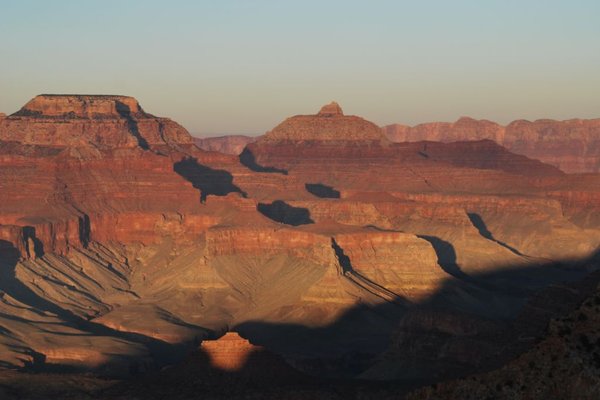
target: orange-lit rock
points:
(330, 124)
(230, 352)
(232, 144)
(90, 120)
(117, 233)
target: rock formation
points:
(322, 241)
(330, 124)
(571, 145)
(232, 144)
(97, 121)
(230, 352)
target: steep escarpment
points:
(98, 121)
(322, 241)
(571, 145)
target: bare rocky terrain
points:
(572, 145)
(344, 262)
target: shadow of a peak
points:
(200, 374)
(248, 160)
(446, 256)
(284, 213)
(208, 181)
(463, 326)
(489, 312)
(125, 112)
(481, 226)
(322, 191)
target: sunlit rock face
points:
(230, 352)
(329, 124)
(98, 121)
(321, 241)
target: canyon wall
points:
(572, 145)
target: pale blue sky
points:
(222, 67)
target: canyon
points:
(332, 248)
(571, 145)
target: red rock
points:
(330, 124)
(331, 110)
(105, 122)
(80, 106)
(571, 145)
(112, 234)
(230, 352)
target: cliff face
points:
(97, 121)
(135, 245)
(571, 145)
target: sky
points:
(241, 67)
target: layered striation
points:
(322, 241)
(96, 121)
(571, 145)
(329, 124)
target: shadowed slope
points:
(209, 181)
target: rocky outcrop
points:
(232, 144)
(97, 121)
(120, 234)
(571, 145)
(80, 106)
(230, 352)
(396, 262)
(330, 124)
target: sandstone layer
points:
(123, 246)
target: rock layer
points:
(318, 242)
(330, 124)
(104, 122)
(571, 145)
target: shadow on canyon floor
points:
(500, 301)
(248, 160)
(208, 181)
(284, 213)
(481, 226)
(446, 255)
(492, 316)
(322, 191)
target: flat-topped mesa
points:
(81, 106)
(100, 121)
(329, 125)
